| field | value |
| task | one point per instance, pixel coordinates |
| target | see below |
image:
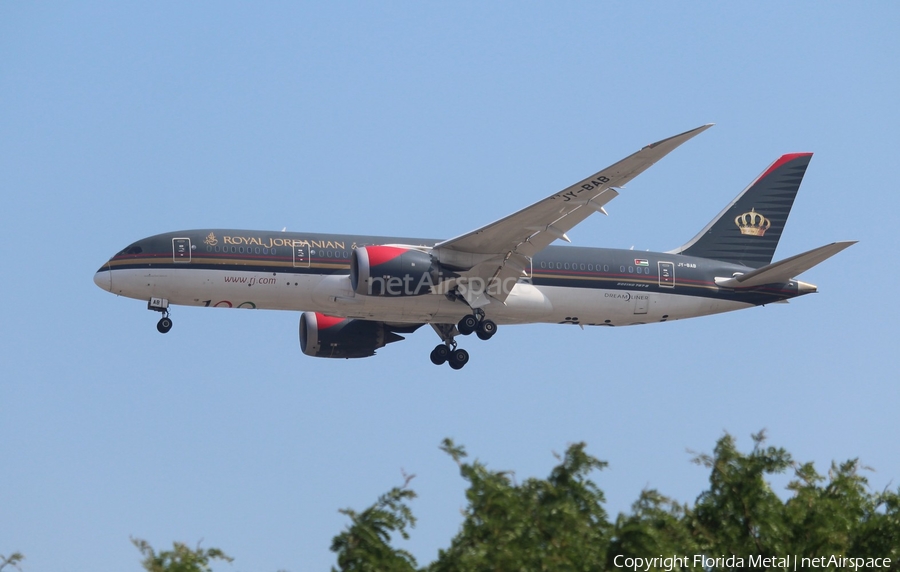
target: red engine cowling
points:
(333, 337)
(392, 271)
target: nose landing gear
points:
(161, 305)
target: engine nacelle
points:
(392, 271)
(333, 337)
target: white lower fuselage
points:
(332, 294)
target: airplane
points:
(360, 293)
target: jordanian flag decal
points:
(641, 262)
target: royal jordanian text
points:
(273, 242)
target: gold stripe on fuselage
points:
(287, 264)
(151, 262)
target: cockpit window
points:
(133, 249)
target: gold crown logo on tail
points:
(752, 223)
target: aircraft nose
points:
(103, 278)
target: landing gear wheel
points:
(458, 359)
(486, 329)
(440, 354)
(467, 325)
(164, 325)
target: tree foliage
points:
(12, 560)
(556, 523)
(559, 523)
(740, 514)
(365, 545)
(181, 558)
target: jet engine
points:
(333, 337)
(392, 271)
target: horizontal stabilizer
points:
(785, 270)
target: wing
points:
(493, 257)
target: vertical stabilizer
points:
(748, 230)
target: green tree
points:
(656, 525)
(12, 560)
(740, 514)
(842, 516)
(559, 523)
(180, 559)
(365, 545)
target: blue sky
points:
(119, 120)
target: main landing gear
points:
(447, 352)
(161, 305)
(483, 328)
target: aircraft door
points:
(667, 274)
(301, 256)
(181, 250)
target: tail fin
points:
(747, 231)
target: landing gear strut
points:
(161, 305)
